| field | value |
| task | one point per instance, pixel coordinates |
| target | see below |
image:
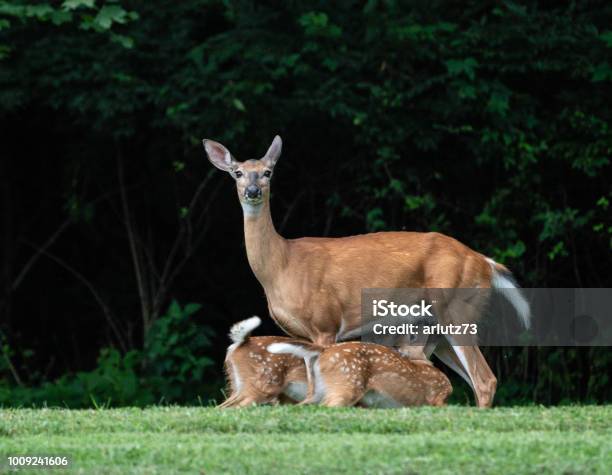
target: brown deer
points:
(371, 375)
(313, 285)
(256, 376)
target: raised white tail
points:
(241, 330)
(503, 281)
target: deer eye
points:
(267, 174)
(238, 173)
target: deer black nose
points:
(253, 191)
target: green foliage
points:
(486, 121)
(104, 18)
(174, 353)
(467, 66)
(549, 375)
(114, 382)
(171, 368)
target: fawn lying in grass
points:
(367, 374)
(257, 376)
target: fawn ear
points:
(274, 152)
(218, 155)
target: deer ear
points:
(274, 152)
(218, 155)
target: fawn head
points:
(252, 176)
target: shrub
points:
(171, 368)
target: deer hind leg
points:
(440, 392)
(249, 396)
(342, 392)
(335, 398)
(439, 400)
(230, 401)
(239, 400)
(470, 364)
(246, 401)
(483, 379)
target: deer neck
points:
(266, 249)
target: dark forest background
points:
(122, 261)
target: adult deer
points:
(313, 285)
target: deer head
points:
(252, 176)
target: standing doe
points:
(313, 285)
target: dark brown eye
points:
(267, 174)
(238, 173)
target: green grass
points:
(287, 440)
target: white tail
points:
(293, 349)
(503, 281)
(313, 285)
(241, 330)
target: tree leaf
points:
(606, 36)
(74, 4)
(465, 66)
(238, 104)
(110, 14)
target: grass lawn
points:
(287, 440)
